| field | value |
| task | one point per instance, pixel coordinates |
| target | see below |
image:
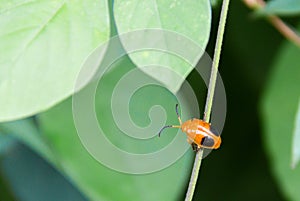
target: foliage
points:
(280, 106)
(43, 47)
(282, 7)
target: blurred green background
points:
(41, 157)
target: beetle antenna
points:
(169, 126)
(178, 116)
(172, 126)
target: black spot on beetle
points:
(207, 141)
(202, 140)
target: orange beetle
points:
(200, 133)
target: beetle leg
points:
(195, 147)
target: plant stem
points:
(210, 96)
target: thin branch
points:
(285, 30)
(281, 26)
(210, 96)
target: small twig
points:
(281, 26)
(210, 96)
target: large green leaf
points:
(18, 161)
(99, 182)
(43, 45)
(281, 7)
(24, 170)
(6, 142)
(279, 107)
(25, 131)
(180, 26)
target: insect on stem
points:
(210, 95)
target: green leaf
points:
(281, 7)
(99, 182)
(180, 26)
(6, 142)
(27, 133)
(43, 45)
(296, 140)
(24, 170)
(279, 108)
